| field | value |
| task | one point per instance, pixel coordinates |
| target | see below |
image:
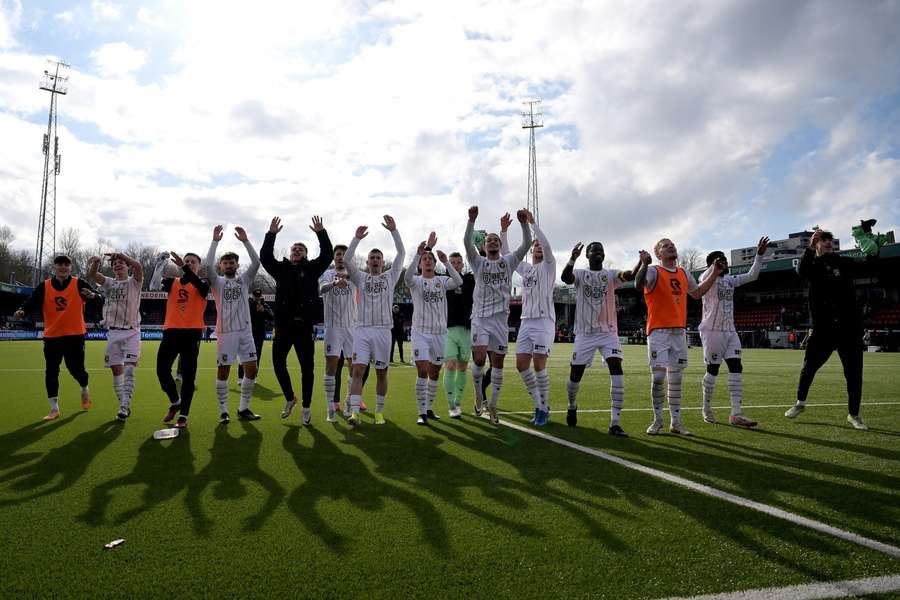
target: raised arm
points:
(640, 275)
(468, 243)
(267, 252)
(349, 257)
(210, 266)
(94, 270)
(545, 244)
(326, 249)
(505, 222)
(568, 274)
(456, 279)
(397, 263)
(409, 273)
(250, 274)
(522, 250)
(753, 273)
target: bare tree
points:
(15, 265)
(690, 259)
(69, 243)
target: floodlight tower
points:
(56, 81)
(531, 120)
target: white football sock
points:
(129, 384)
(247, 386)
(657, 392)
(477, 377)
(709, 388)
(496, 386)
(543, 384)
(674, 377)
(531, 384)
(119, 388)
(330, 384)
(572, 391)
(222, 394)
(431, 387)
(420, 394)
(736, 390)
(617, 397)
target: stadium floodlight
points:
(532, 118)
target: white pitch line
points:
(716, 493)
(810, 591)
(753, 406)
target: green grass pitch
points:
(459, 509)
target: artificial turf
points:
(460, 508)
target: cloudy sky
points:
(709, 122)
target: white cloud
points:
(65, 16)
(145, 16)
(412, 108)
(10, 18)
(117, 59)
(105, 11)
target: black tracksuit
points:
(183, 344)
(836, 322)
(67, 347)
(260, 314)
(398, 332)
(297, 310)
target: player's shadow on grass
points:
(883, 453)
(264, 393)
(61, 467)
(543, 471)
(162, 468)
(743, 526)
(13, 441)
(423, 466)
(757, 474)
(334, 475)
(233, 460)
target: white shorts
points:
(235, 346)
(122, 346)
(372, 344)
(337, 340)
(588, 344)
(536, 336)
(429, 346)
(719, 346)
(492, 332)
(668, 348)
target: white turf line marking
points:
(716, 493)
(751, 406)
(810, 591)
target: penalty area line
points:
(809, 591)
(717, 493)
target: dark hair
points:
(713, 256)
(257, 292)
(455, 255)
(300, 244)
(376, 250)
(62, 259)
(340, 247)
(827, 235)
(197, 256)
(229, 256)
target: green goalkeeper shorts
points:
(459, 344)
